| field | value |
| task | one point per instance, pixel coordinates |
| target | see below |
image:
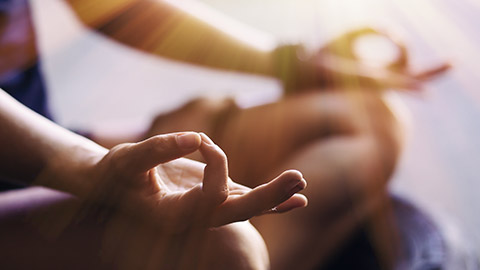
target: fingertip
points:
(293, 181)
(303, 184)
(446, 65)
(296, 201)
(293, 174)
(206, 139)
(303, 200)
(212, 152)
(188, 140)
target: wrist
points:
(72, 171)
(293, 68)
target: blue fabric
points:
(20, 78)
(24, 83)
(28, 87)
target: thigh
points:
(347, 161)
(47, 229)
(257, 140)
(343, 191)
(39, 230)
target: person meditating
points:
(137, 198)
(141, 205)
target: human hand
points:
(338, 65)
(340, 59)
(171, 216)
(180, 193)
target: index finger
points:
(263, 198)
(432, 72)
(142, 156)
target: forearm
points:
(36, 151)
(162, 29)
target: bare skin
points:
(170, 208)
(345, 142)
(341, 130)
(43, 228)
(349, 169)
(333, 65)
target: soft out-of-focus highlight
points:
(374, 102)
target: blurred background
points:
(90, 81)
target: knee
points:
(234, 246)
(386, 132)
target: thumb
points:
(155, 150)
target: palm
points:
(178, 201)
(181, 174)
(184, 174)
(181, 193)
(180, 181)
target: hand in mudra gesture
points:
(151, 180)
(167, 208)
(338, 65)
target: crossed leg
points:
(346, 143)
(39, 230)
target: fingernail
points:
(206, 139)
(188, 140)
(300, 186)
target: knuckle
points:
(219, 197)
(222, 157)
(162, 143)
(118, 157)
